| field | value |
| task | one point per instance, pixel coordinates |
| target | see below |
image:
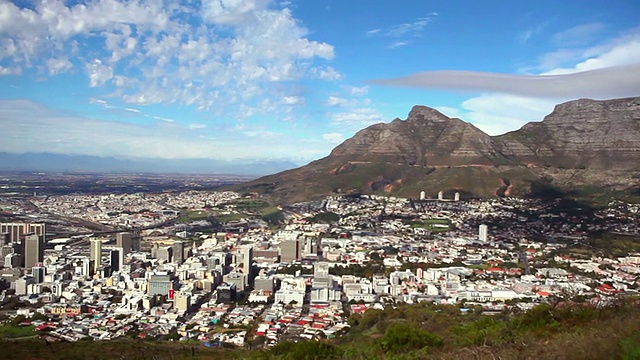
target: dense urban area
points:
(226, 269)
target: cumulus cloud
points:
(356, 118)
(213, 55)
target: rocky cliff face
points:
(426, 138)
(582, 142)
(581, 134)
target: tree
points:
(18, 319)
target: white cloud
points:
(357, 91)
(577, 35)
(396, 44)
(448, 111)
(326, 73)
(10, 70)
(336, 101)
(356, 119)
(58, 65)
(212, 55)
(527, 34)
(293, 100)
(196, 126)
(334, 138)
(403, 32)
(98, 73)
(497, 114)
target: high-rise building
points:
(483, 233)
(124, 240)
(290, 250)
(440, 195)
(33, 250)
(116, 257)
(423, 195)
(244, 258)
(178, 252)
(96, 253)
(38, 273)
(17, 230)
(456, 196)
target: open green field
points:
(192, 215)
(433, 225)
(12, 332)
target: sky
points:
(268, 80)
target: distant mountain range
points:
(583, 145)
(84, 163)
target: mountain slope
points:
(580, 134)
(583, 142)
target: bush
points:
(304, 350)
(402, 337)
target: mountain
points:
(85, 163)
(582, 143)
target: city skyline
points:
(274, 80)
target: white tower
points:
(440, 195)
(423, 195)
(456, 197)
(483, 231)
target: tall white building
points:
(483, 233)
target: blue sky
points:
(289, 80)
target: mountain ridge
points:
(580, 143)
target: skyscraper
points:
(116, 256)
(124, 240)
(33, 250)
(96, 253)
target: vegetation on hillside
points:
(420, 331)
